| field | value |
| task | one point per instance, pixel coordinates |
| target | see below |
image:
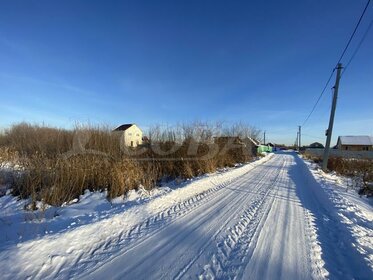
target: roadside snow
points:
(39, 243)
(283, 219)
(355, 211)
(19, 225)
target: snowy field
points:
(277, 218)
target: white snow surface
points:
(277, 218)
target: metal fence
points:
(342, 154)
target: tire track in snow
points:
(125, 239)
(140, 233)
(259, 242)
(191, 222)
(234, 232)
(233, 251)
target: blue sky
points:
(166, 62)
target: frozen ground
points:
(278, 218)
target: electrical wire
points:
(353, 33)
(318, 99)
(358, 46)
(339, 60)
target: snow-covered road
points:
(272, 219)
(274, 222)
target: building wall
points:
(341, 153)
(355, 148)
(132, 137)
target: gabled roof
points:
(356, 140)
(255, 142)
(124, 127)
(316, 144)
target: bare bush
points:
(362, 169)
(359, 169)
(29, 139)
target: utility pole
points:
(297, 141)
(331, 120)
(264, 137)
(299, 136)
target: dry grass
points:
(29, 140)
(359, 168)
(58, 165)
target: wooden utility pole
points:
(331, 120)
(299, 136)
(264, 137)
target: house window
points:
(131, 143)
(346, 148)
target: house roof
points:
(356, 140)
(124, 127)
(314, 144)
(255, 142)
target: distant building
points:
(251, 144)
(355, 143)
(316, 145)
(131, 134)
(250, 141)
(227, 139)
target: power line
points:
(353, 33)
(339, 60)
(318, 99)
(358, 46)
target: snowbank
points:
(40, 243)
(355, 211)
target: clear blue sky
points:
(113, 62)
